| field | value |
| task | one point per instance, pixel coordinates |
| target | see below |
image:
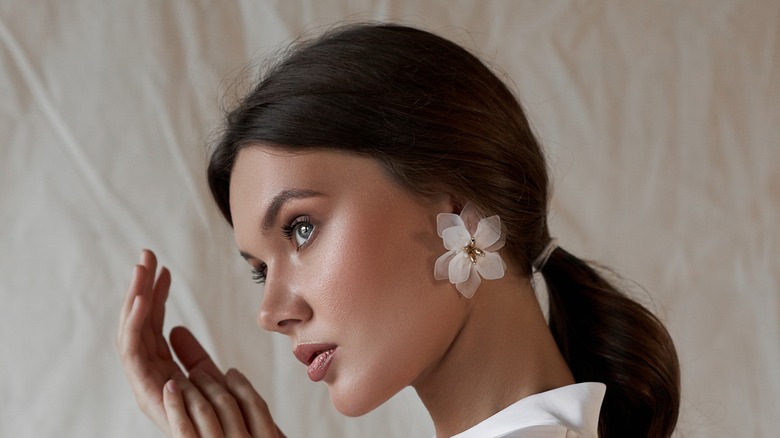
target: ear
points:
(444, 203)
(455, 203)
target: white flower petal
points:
(497, 245)
(470, 217)
(490, 267)
(447, 220)
(468, 287)
(442, 267)
(456, 231)
(459, 268)
(488, 233)
(456, 237)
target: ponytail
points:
(607, 337)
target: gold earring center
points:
(473, 252)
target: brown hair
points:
(441, 122)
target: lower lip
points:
(319, 367)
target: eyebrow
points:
(280, 199)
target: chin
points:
(355, 405)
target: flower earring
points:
(472, 243)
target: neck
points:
(503, 352)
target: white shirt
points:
(568, 412)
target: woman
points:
(387, 189)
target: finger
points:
(226, 407)
(149, 261)
(192, 355)
(255, 410)
(133, 290)
(130, 334)
(150, 338)
(161, 289)
(129, 297)
(199, 410)
(157, 315)
(176, 412)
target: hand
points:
(204, 407)
(207, 404)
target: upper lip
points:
(307, 352)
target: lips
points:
(316, 357)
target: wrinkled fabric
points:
(659, 120)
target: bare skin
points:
(207, 403)
(476, 379)
(477, 357)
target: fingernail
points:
(171, 387)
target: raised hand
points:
(144, 352)
(208, 403)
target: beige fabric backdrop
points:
(661, 120)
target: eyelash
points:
(259, 274)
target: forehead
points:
(267, 170)
(260, 173)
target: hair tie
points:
(540, 261)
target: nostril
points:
(287, 323)
(274, 322)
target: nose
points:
(281, 309)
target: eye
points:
(259, 274)
(302, 233)
(300, 230)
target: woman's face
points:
(348, 258)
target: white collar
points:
(574, 406)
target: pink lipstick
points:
(317, 357)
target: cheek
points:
(383, 257)
(341, 268)
(379, 298)
(355, 265)
(376, 270)
(382, 274)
